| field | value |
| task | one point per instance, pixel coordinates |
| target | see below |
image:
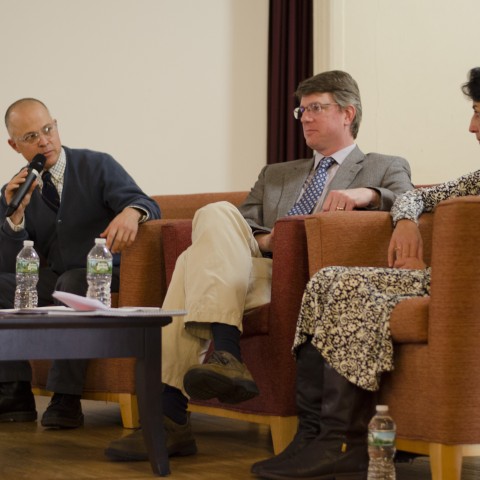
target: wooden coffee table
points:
(70, 336)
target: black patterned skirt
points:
(346, 311)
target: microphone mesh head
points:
(38, 162)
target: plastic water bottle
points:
(381, 445)
(27, 267)
(99, 272)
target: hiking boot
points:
(222, 377)
(180, 442)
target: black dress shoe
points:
(64, 411)
(17, 403)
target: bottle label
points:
(98, 266)
(381, 438)
(27, 266)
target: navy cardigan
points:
(96, 188)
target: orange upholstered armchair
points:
(433, 393)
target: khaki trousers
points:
(216, 279)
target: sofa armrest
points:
(142, 270)
(177, 237)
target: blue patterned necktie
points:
(50, 192)
(310, 196)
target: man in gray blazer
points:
(353, 180)
(227, 269)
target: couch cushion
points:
(409, 321)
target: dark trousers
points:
(65, 376)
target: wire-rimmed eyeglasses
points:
(314, 108)
(33, 137)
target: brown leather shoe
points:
(180, 442)
(222, 377)
(17, 403)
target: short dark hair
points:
(472, 88)
(17, 103)
(341, 85)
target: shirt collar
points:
(57, 171)
(339, 156)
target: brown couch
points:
(142, 284)
(145, 271)
(433, 393)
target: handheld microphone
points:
(34, 169)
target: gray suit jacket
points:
(279, 185)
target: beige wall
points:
(174, 89)
(410, 58)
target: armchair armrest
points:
(289, 275)
(355, 239)
(455, 283)
(348, 239)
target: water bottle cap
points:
(100, 241)
(382, 408)
(28, 243)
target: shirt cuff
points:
(145, 215)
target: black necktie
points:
(49, 191)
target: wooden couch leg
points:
(283, 430)
(445, 461)
(129, 410)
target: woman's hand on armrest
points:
(406, 243)
(410, 263)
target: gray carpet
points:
(419, 469)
